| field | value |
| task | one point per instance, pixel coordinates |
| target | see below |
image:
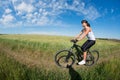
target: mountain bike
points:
(65, 58)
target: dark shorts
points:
(87, 45)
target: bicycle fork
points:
(67, 57)
(69, 54)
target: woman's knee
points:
(83, 49)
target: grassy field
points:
(31, 57)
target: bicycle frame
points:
(71, 52)
(76, 47)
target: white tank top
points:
(91, 36)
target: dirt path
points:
(40, 60)
(28, 59)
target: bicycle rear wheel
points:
(95, 54)
(64, 58)
(92, 57)
(89, 60)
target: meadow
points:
(31, 57)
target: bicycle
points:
(66, 58)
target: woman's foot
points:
(82, 62)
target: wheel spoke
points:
(95, 55)
(63, 58)
(92, 57)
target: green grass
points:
(13, 70)
(31, 57)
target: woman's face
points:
(84, 24)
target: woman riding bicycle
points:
(86, 31)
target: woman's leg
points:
(84, 49)
(85, 55)
(86, 45)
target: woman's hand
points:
(74, 40)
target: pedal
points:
(77, 64)
(68, 66)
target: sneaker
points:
(82, 62)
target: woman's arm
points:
(85, 32)
(76, 37)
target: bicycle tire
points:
(57, 58)
(93, 58)
(97, 58)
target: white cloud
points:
(43, 20)
(14, 0)
(58, 7)
(46, 12)
(91, 13)
(8, 11)
(7, 19)
(24, 8)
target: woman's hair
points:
(85, 21)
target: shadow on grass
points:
(74, 74)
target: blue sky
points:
(60, 17)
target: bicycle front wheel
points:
(64, 58)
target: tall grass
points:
(31, 57)
(13, 70)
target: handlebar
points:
(74, 40)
